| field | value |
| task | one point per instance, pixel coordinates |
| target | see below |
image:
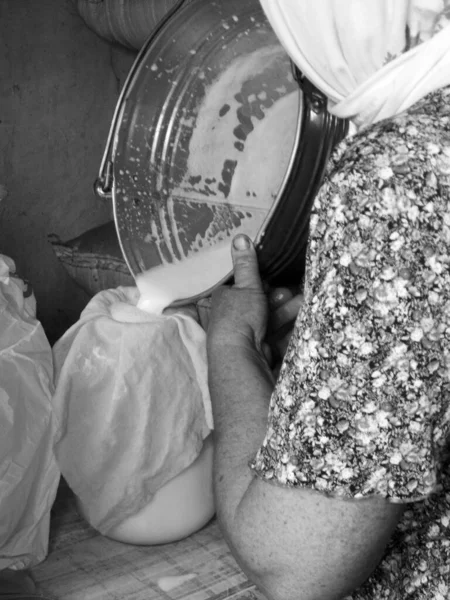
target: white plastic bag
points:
(29, 475)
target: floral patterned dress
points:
(361, 406)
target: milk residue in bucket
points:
(161, 286)
(262, 159)
(259, 169)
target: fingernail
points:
(277, 297)
(241, 242)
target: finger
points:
(268, 355)
(204, 307)
(205, 302)
(286, 314)
(278, 296)
(245, 263)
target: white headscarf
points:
(372, 58)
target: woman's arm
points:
(293, 543)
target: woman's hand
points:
(284, 305)
(249, 312)
(265, 319)
(240, 312)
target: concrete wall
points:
(59, 86)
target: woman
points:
(348, 494)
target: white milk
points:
(161, 286)
(171, 582)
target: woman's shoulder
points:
(411, 139)
(395, 174)
(414, 142)
(381, 220)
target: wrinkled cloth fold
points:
(29, 475)
(132, 403)
(372, 60)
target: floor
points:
(83, 565)
(58, 91)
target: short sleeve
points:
(361, 406)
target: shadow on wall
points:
(60, 84)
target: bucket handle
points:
(103, 185)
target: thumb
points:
(245, 264)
